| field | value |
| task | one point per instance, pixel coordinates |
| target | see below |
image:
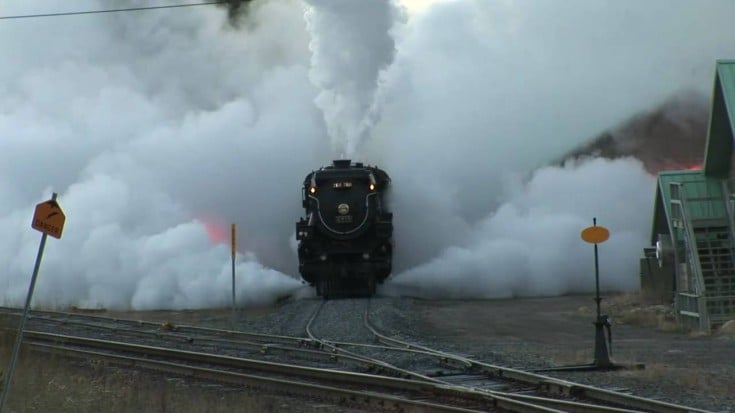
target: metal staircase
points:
(705, 242)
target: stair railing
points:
(730, 207)
(692, 255)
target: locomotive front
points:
(346, 238)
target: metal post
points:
(597, 276)
(234, 248)
(602, 357)
(24, 316)
(233, 288)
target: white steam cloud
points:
(155, 128)
(481, 92)
(531, 245)
(351, 44)
(160, 128)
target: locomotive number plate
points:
(343, 219)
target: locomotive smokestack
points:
(342, 163)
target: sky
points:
(158, 129)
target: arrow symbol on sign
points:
(52, 214)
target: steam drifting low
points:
(155, 127)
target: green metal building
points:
(692, 261)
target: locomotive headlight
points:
(365, 256)
(343, 209)
(372, 187)
(323, 257)
(312, 190)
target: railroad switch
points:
(603, 349)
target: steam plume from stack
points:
(351, 43)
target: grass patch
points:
(700, 380)
(630, 308)
(706, 382)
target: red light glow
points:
(218, 232)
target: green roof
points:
(722, 121)
(717, 158)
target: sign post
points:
(595, 235)
(49, 219)
(234, 253)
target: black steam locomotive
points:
(346, 238)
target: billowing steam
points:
(351, 43)
(482, 94)
(152, 126)
(160, 128)
(531, 244)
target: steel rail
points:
(536, 401)
(162, 328)
(239, 345)
(174, 330)
(571, 406)
(177, 333)
(415, 375)
(172, 333)
(336, 394)
(466, 364)
(368, 360)
(300, 345)
(62, 342)
(466, 394)
(545, 383)
(215, 359)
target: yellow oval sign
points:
(595, 235)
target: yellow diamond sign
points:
(49, 218)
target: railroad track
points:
(498, 381)
(218, 341)
(376, 393)
(469, 385)
(373, 392)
